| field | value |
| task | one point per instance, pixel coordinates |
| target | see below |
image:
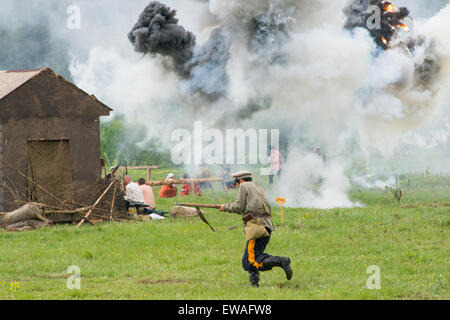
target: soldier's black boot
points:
(282, 262)
(286, 266)
(254, 279)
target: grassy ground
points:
(183, 259)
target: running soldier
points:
(256, 214)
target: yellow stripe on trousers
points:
(251, 254)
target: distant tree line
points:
(125, 142)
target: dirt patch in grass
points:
(441, 205)
(421, 296)
(57, 276)
(409, 206)
(433, 205)
(163, 281)
(288, 286)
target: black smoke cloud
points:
(387, 37)
(207, 68)
(358, 16)
(158, 32)
(203, 68)
(267, 36)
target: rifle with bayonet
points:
(200, 213)
(199, 205)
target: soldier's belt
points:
(252, 216)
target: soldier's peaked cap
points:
(242, 175)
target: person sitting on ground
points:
(149, 198)
(186, 190)
(133, 193)
(168, 190)
(147, 191)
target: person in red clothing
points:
(168, 190)
(186, 190)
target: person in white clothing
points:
(133, 193)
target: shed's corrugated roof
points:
(10, 80)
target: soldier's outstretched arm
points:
(240, 204)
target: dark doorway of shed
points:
(49, 166)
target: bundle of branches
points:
(52, 189)
(112, 205)
(107, 205)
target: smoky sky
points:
(28, 40)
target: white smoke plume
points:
(367, 183)
(312, 184)
(293, 65)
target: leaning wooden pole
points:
(95, 205)
(113, 201)
(43, 189)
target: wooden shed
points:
(50, 133)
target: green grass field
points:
(183, 259)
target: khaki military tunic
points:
(251, 198)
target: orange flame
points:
(389, 7)
(403, 26)
(383, 39)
